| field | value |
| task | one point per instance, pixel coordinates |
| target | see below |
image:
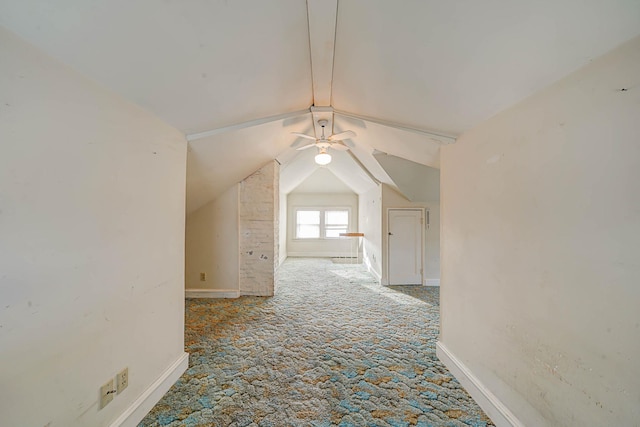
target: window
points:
(321, 223)
(335, 222)
(307, 224)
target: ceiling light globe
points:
(323, 159)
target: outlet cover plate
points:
(106, 393)
(122, 380)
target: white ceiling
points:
(449, 65)
(196, 64)
(405, 76)
(343, 166)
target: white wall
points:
(541, 219)
(92, 194)
(282, 224)
(212, 244)
(431, 252)
(370, 223)
(320, 247)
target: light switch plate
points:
(106, 393)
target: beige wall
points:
(282, 224)
(212, 244)
(92, 196)
(541, 223)
(370, 223)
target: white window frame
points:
(322, 210)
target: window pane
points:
(308, 232)
(334, 232)
(308, 217)
(337, 217)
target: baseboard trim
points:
(255, 294)
(492, 406)
(432, 282)
(132, 416)
(282, 259)
(321, 254)
(211, 293)
(373, 272)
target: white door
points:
(405, 246)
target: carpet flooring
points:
(331, 348)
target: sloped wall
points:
(417, 183)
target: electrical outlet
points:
(203, 277)
(122, 380)
(106, 393)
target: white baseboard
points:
(132, 416)
(255, 294)
(282, 259)
(211, 293)
(327, 254)
(374, 273)
(432, 282)
(494, 408)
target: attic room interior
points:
(161, 198)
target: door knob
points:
(390, 234)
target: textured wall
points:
(259, 228)
(92, 196)
(540, 273)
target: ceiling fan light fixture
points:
(323, 158)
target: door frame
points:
(423, 215)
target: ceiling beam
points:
(244, 125)
(322, 15)
(440, 138)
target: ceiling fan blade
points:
(342, 135)
(302, 135)
(339, 146)
(304, 147)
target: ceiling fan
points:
(322, 143)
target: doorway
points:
(405, 245)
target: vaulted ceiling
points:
(237, 77)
